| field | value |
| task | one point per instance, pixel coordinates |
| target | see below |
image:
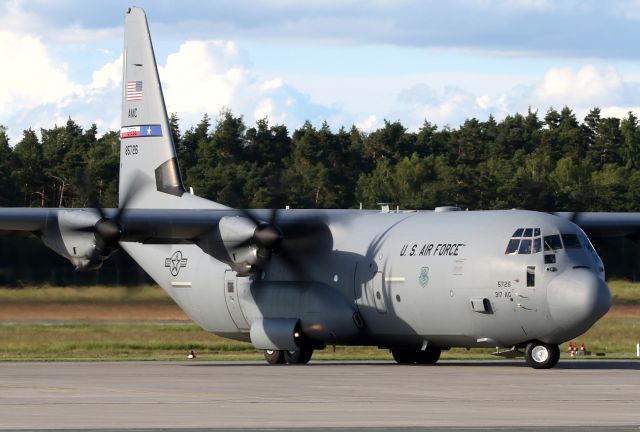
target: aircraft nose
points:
(577, 299)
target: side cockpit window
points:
(524, 241)
(571, 241)
(552, 243)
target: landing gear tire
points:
(403, 356)
(540, 355)
(429, 356)
(299, 356)
(274, 357)
(412, 356)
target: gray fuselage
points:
(400, 279)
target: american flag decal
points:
(134, 90)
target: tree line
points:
(556, 162)
(552, 162)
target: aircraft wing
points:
(146, 225)
(141, 225)
(149, 225)
(23, 220)
(605, 224)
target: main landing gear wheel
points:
(274, 357)
(403, 356)
(299, 356)
(414, 356)
(429, 356)
(540, 355)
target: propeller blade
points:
(292, 262)
(305, 236)
(247, 214)
(108, 230)
(134, 189)
(274, 216)
(268, 236)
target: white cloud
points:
(78, 35)
(201, 77)
(447, 106)
(566, 86)
(273, 84)
(109, 75)
(37, 92)
(264, 110)
(208, 76)
(368, 124)
(619, 112)
(483, 101)
(31, 78)
(14, 19)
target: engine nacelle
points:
(277, 311)
(276, 333)
(235, 232)
(64, 235)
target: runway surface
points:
(193, 395)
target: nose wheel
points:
(540, 355)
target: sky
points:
(347, 62)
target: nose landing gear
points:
(540, 355)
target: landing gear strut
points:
(540, 355)
(415, 356)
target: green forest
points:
(551, 162)
(554, 162)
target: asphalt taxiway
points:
(193, 395)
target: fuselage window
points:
(531, 276)
(571, 241)
(552, 242)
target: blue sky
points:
(346, 62)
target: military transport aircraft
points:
(292, 281)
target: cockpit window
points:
(571, 241)
(552, 242)
(512, 247)
(537, 244)
(589, 247)
(525, 247)
(586, 243)
(524, 241)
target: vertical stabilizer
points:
(148, 160)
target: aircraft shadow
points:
(568, 365)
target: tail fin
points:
(148, 160)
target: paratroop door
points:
(233, 301)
